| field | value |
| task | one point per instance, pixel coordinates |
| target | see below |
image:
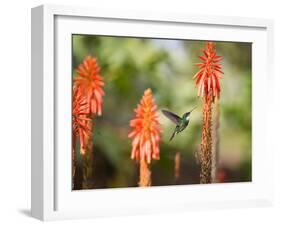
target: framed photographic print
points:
(136, 112)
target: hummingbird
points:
(181, 122)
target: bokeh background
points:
(131, 65)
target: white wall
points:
(15, 111)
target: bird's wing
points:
(173, 117)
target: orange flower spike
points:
(209, 75)
(81, 123)
(208, 83)
(90, 84)
(146, 130)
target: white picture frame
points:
(52, 197)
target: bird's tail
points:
(174, 133)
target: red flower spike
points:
(146, 130)
(89, 84)
(210, 73)
(81, 123)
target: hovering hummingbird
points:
(181, 122)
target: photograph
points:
(160, 112)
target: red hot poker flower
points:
(81, 123)
(146, 130)
(208, 77)
(89, 83)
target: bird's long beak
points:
(193, 109)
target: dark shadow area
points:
(26, 212)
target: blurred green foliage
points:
(131, 65)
